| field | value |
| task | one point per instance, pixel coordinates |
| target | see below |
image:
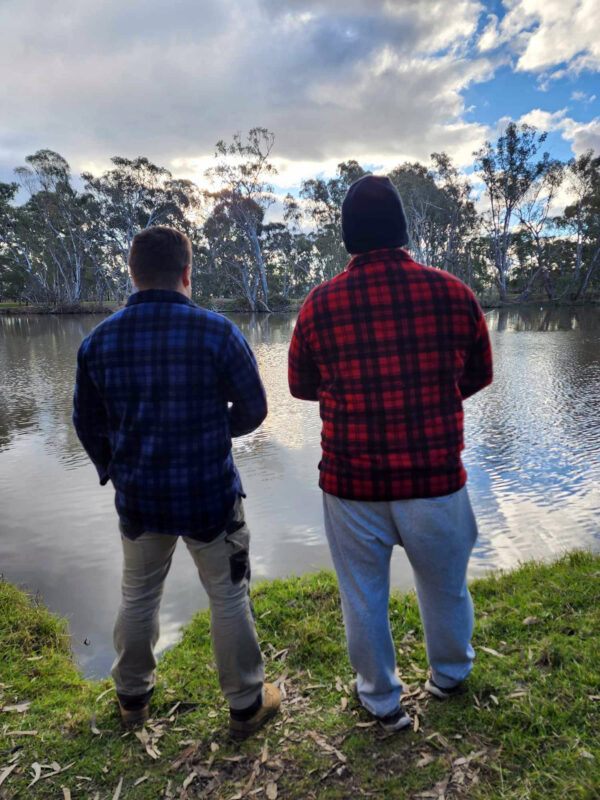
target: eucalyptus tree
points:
(56, 228)
(460, 218)
(241, 199)
(18, 273)
(320, 205)
(582, 217)
(290, 259)
(135, 194)
(509, 169)
(425, 206)
(533, 215)
(231, 254)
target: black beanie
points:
(372, 216)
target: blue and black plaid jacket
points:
(151, 408)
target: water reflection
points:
(533, 446)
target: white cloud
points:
(544, 120)
(583, 97)
(552, 33)
(582, 135)
(490, 37)
(375, 79)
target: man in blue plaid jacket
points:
(161, 387)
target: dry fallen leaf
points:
(188, 780)
(19, 708)
(117, 793)
(324, 745)
(278, 681)
(56, 769)
(173, 709)
(214, 747)
(265, 753)
(142, 779)
(6, 772)
(93, 727)
(21, 733)
(438, 792)
(425, 760)
(531, 621)
(183, 756)
(271, 790)
(37, 772)
(105, 692)
(66, 793)
(438, 737)
(344, 703)
(491, 651)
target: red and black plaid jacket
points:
(390, 348)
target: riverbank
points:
(527, 725)
(226, 305)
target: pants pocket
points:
(237, 540)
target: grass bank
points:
(526, 728)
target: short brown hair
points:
(158, 257)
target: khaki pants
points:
(223, 568)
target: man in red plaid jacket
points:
(390, 348)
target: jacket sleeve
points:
(242, 385)
(90, 420)
(478, 371)
(304, 377)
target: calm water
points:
(533, 447)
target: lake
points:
(532, 455)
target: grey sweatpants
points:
(147, 560)
(437, 535)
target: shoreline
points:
(226, 306)
(526, 726)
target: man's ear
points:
(132, 278)
(187, 276)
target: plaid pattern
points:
(390, 348)
(151, 409)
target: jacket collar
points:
(388, 254)
(158, 296)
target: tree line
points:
(68, 241)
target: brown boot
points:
(240, 729)
(134, 718)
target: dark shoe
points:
(442, 692)
(241, 728)
(396, 721)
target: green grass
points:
(526, 728)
